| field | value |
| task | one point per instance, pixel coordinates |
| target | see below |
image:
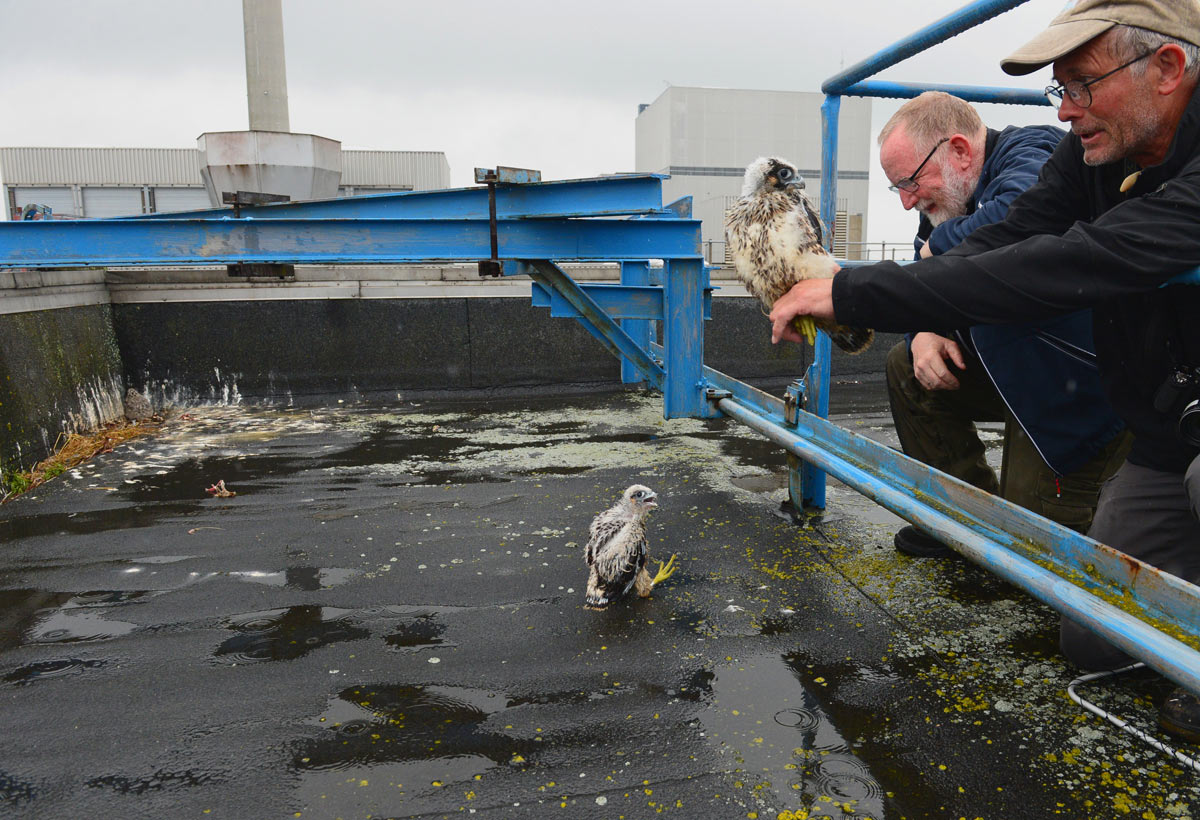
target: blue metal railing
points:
(852, 82)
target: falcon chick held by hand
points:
(774, 238)
(617, 550)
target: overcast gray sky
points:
(537, 84)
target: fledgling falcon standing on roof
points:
(617, 550)
(774, 237)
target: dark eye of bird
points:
(785, 173)
(638, 494)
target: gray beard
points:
(939, 217)
(959, 189)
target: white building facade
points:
(113, 182)
(705, 137)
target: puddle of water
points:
(64, 627)
(398, 739)
(423, 632)
(39, 617)
(772, 730)
(90, 523)
(305, 578)
(50, 669)
(19, 608)
(287, 634)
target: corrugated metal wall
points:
(421, 170)
(100, 166)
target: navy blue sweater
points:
(1057, 398)
(1013, 159)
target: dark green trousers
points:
(937, 427)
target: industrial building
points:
(113, 182)
(705, 137)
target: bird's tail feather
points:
(853, 340)
(591, 602)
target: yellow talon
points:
(665, 571)
(808, 329)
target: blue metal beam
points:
(634, 302)
(618, 301)
(119, 242)
(981, 94)
(1149, 614)
(684, 285)
(602, 196)
(953, 24)
(602, 326)
(641, 331)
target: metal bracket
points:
(261, 269)
(238, 199)
(508, 176)
(794, 399)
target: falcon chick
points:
(774, 237)
(617, 550)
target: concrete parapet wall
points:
(60, 371)
(70, 340)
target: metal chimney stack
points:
(266, 69)
(268, 159)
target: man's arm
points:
(1054, 202)
(1133, 247)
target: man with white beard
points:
(959, 175)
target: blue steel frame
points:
(809, 485)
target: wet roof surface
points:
(387, 621)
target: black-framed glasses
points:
(909, 183)
(1081, 93)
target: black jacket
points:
(1069, 242)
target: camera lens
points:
(1189, 423)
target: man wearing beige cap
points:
(1114, 215)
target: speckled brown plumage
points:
(617, 550)
(774, 239)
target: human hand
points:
(930, 353)
(926, 251)
(812, 297)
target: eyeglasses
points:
(1081, 93)
(909, 183)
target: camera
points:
(1180, 393)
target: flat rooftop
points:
(387, 621)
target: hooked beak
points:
(651, 500)
(797, 182)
